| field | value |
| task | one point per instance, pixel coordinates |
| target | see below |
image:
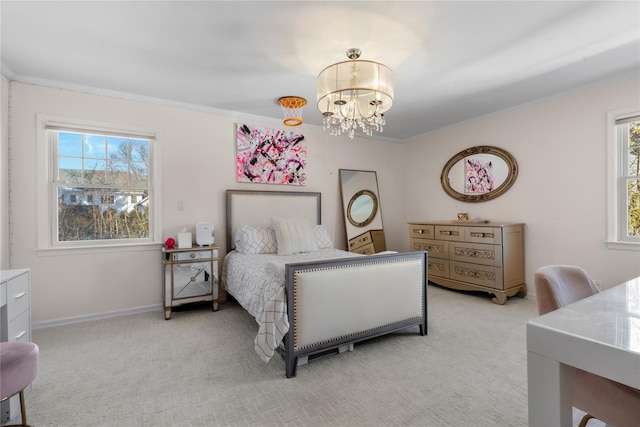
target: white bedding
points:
(257, 283)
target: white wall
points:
(560, 193)
(4, 172)
(198, 151)
(559, 143)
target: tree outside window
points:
(102, 185)
(633, 178)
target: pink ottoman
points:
(18, 368)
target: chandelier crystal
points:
(354, 94)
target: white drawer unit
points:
(474, 257)
(15, 322)
(190, 275)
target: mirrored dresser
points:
(473, 256)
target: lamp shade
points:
(354, 94)
(366, 82)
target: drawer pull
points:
(192, 255)
(483, 235)
(20, 295)
(419, 231)
(20, 335)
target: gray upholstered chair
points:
(611, 402)
(18, 368)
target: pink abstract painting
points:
(270, 156)
(478, 175)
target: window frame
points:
(47, 201)
(617, 207)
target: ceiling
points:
(452, 60)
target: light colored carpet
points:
(200, 369)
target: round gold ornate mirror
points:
(362, 208)
(478, 174)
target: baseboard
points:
(96, 316)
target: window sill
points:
(625, 246)
(99, 249)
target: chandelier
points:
(354, 94)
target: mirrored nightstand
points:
(190, 275)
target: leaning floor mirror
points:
(361, 207)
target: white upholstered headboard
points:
(257, 208)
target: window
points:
(624, 178)
(100, 187)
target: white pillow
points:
(294, 236)
(323, 240)
(255, 240)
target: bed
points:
(314, 299)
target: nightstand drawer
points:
(17, 296)
(192, 256)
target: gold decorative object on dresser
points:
(473, 256)
(368, 243)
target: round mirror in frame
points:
(362, 208)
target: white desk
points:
(15, 323)
(599, 334)
(3, 294)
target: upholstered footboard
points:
(335, 303)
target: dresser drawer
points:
(483, 275)
(448, 232)
(489, 235)
(435, 248)
(17, 296)
(476, 253)
(421, 231)
(438, 267)
(18, 328)
(367, 249)
(361, 240)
